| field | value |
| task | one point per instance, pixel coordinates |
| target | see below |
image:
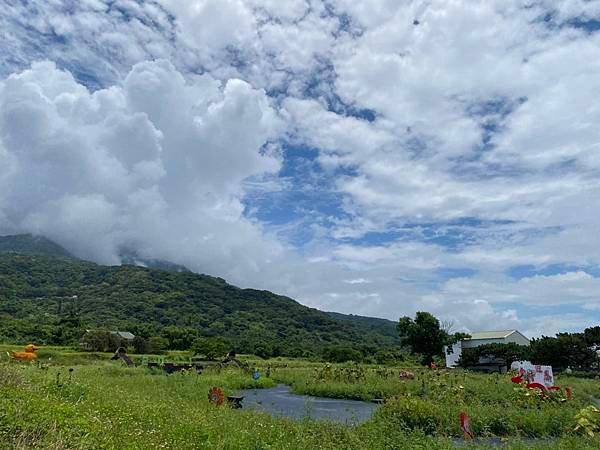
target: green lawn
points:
(101, 404)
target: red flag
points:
(465, 425)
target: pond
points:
(280, 401)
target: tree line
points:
(426, 337)
(169, 310)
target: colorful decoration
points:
(569, 392)
(465, 426)
(256, 375)
(406, 375)
(536, 386)
(216, 396)
(28, 355)
(533, 373)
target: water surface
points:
(280, 401)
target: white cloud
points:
(157, 164)
(209, 25)
(357, 281)
(481, 110)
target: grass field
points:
(101, 404)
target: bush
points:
(339, 354)
(413, 413)
(157, 344)
(101, 341)
(140, 345)
(509, 352)
(180, 338)
(211, 348)
(388, 357)
(263, 351)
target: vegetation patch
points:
(101, 404)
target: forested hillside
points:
(380, 326)
(37, 303)
(31, 245)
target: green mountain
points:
(38, 303)
(33, 245)
(39, 245)
(383, 327)
(131, 258)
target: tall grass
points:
(102, 405)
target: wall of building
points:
(453, 357)
(477, 342)
(515, 338)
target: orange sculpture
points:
(28, 355)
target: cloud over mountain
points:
(155, 164)
(445, 153)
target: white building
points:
(482, 338)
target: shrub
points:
(509, 352)
(157, 344)
(413, 413)
(339, 354)
(140, 345)
(101, 341)
(211, 348)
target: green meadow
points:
(73, 400)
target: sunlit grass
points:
(101, 404)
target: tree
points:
(263, 351)
(211, 348)
(140, 345)
(423, 335)
(157, 344)
(180, 338)
(101, 341)
(340, 354)
(387, 356)
(564, 350)
(592, 336)
(509, 352)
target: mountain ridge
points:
(32, 244)
(149, 301)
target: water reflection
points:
(280, 401)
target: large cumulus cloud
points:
(155, 164)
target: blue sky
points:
(364, 157)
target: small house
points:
(99, 340)
(482, 338)
(125, 335)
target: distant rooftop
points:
(124, 334)
(492, 334)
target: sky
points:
(375, 157)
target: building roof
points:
(122, 334)
(125, 334)
(493, 334)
